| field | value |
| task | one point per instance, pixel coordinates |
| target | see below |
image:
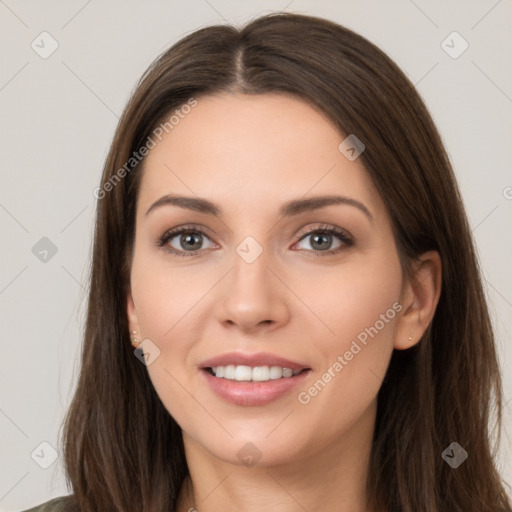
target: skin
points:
(249, 155)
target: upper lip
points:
(259, 359)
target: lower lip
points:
(250, 393)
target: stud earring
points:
(410, 338)
(135, 341)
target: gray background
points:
(58, 117)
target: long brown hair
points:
(123, 450)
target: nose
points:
(253, 296)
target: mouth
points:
(252, 379)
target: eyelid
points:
(325, 228)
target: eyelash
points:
(343, 235)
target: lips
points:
(249, 390)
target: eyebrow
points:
(291, 208)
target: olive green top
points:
(54, 505)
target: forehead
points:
(253, 149)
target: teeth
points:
(243, 373)
(256, 373)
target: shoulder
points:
(61, 504)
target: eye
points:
(183, 241)
(321, 240)
(188, 240)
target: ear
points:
(133, 321)
(420, 295)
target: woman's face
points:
(257, 282)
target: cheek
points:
(357, 300)
(166, 295)
(360, 308)
(167, 300)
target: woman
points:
(285, 308)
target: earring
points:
(410, 338)
(135, 341)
